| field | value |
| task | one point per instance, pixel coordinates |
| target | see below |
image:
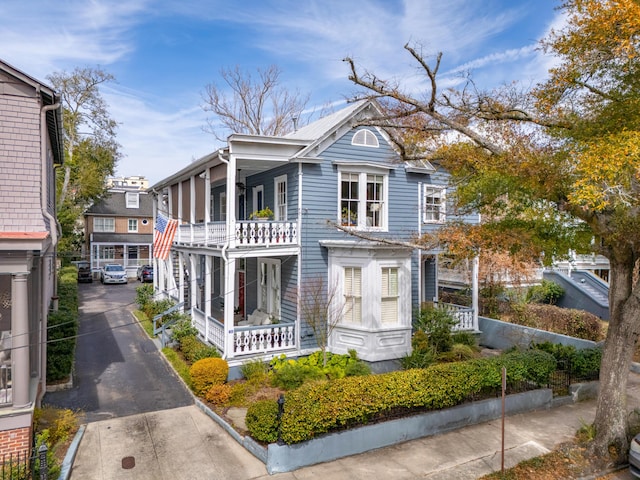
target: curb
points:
(67, 463)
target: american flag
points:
(163, 234)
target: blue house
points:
(339, 198)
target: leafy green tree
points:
(91, 149)
(549, 169)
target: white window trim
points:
(223, 207)
(101, 228)
(132, 230)
(254, 201)
(276, 200)
(132, 199)
(430, 191)
(362, 173)
(371, 287)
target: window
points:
(364, 211)
(258, 198)
(107, 253)
(133, 225)
(104, 224)
(389, 296)
(365, 138)
(223, 207)
(434, 204)
(280, 200)
(133, 199)
(353, 295)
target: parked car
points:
(84, 272)
(634, 457)
(145, 273)
(113, 273)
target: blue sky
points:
(164, 52)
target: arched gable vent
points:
(366, 138)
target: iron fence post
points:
(42, 453)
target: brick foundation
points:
(15, 441)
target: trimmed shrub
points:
(320, 407)
(293, 375)
(219, 394)
(437, 324)
(262, 421)
(183, 328)
(571, 322)
(422, 355)
(582, 362)
(208, 372)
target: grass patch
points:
(147, 325)
(179, 365)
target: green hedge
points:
(317, 408)
(63, 327)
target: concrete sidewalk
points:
(184, 443)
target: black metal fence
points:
(26, 465)
(566, 374)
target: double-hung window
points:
(353, 295)
(104, 224)
(363, 199)
(389, 296)
(280, 184)
(133, 225)
(434, 210)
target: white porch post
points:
(193, 280)
(207, 203)
(475, 264)
(207, 294)
(20, 370)
(231, 199)
(181, 279)
(229, 285)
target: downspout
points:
(298, 317)
(44, 190)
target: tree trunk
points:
(611, 421)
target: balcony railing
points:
(5, 385)
(247, 233)
(246, 340)
(463, 315)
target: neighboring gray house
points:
(30, 147)
(239, 276)
(119, 229)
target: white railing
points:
(254, 233)
(263, 338)
(463, 315)
(266, 233)
(245, 340)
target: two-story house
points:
(241, 277)
(119, 229)
(30, 148)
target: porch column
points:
(207, 294)
(20, 371)
(475, 263)
(193, 288)
(181, 279)
(229, 293)
(207, 203)
(231, 199)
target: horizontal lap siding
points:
(320, 205)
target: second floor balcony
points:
(244, 233)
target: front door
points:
(269, 286)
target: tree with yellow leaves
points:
(549, 169)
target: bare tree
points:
(258, 106)
(322, 308)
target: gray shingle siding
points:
(20, 165)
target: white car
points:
(113, 273)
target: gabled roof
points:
(49, 97)
(323, 126)
(114, 204)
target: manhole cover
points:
(128, 463)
